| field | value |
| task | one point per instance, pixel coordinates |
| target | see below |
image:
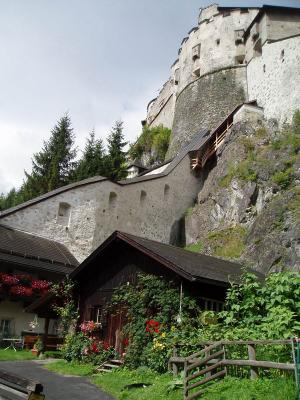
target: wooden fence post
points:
(252, 357)
(175, 366)
(185, 381)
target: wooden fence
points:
(212, 362)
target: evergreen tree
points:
(53, 166)
(116, 160)
(92, 162)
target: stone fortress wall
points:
(85, 214)
(232, 55)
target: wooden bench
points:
(52, 342)
(14, 387)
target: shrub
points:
(283, 178)
(156, 138)
(53, 354)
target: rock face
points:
(249, 207)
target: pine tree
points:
(53, 166)
(92, 162)
(116, 160)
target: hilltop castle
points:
(237, 63)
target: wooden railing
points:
(213, 144)
(19, 387)
(212, 363)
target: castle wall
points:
(205, 103)
(274, 79)
(161, 110)
(208, 47)
(149, 208)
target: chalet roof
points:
(190, 265)
(23, 248)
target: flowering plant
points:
(89, 326)
(152, 326)
(22, 285)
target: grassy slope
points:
(11, 355)
(70, 368)
(228, 389)
(245, 389)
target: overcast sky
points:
(100, 60)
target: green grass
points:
(228, 243)
(70, 368)
(114, 382)
(246, 389)
(195, 247)
(11, 355)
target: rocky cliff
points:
(249, 207)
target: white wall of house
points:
(14, 312)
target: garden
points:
(161, 317)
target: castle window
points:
(264, 67)
(143, 196)
(196, 52)
(238, 36)
(166, 191)
(176, 76)
(112, 201)
(257, 48)
(282, 55)
(63, 215)
(217, 42)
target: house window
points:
(112, 201)
(211, 304)
(63, 215)
(98, 315)
(196, 52)
(5, 327)
(143, 196)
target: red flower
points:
(105, 345)
(125, 342)
(40, 285)
(152, 326)
(94, 347)
(20, 290)
(9, 279)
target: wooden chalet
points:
(119, 259)
(28, 263)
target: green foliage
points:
(246, 389)
(116, 160)
(152, 139)
(74, 346)
(241, 171)
(283, 178)
(93, 161)
(53, 354)
(65, 306)
(261, 310)
(195, 247)
(229, 242)
(153, 299)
